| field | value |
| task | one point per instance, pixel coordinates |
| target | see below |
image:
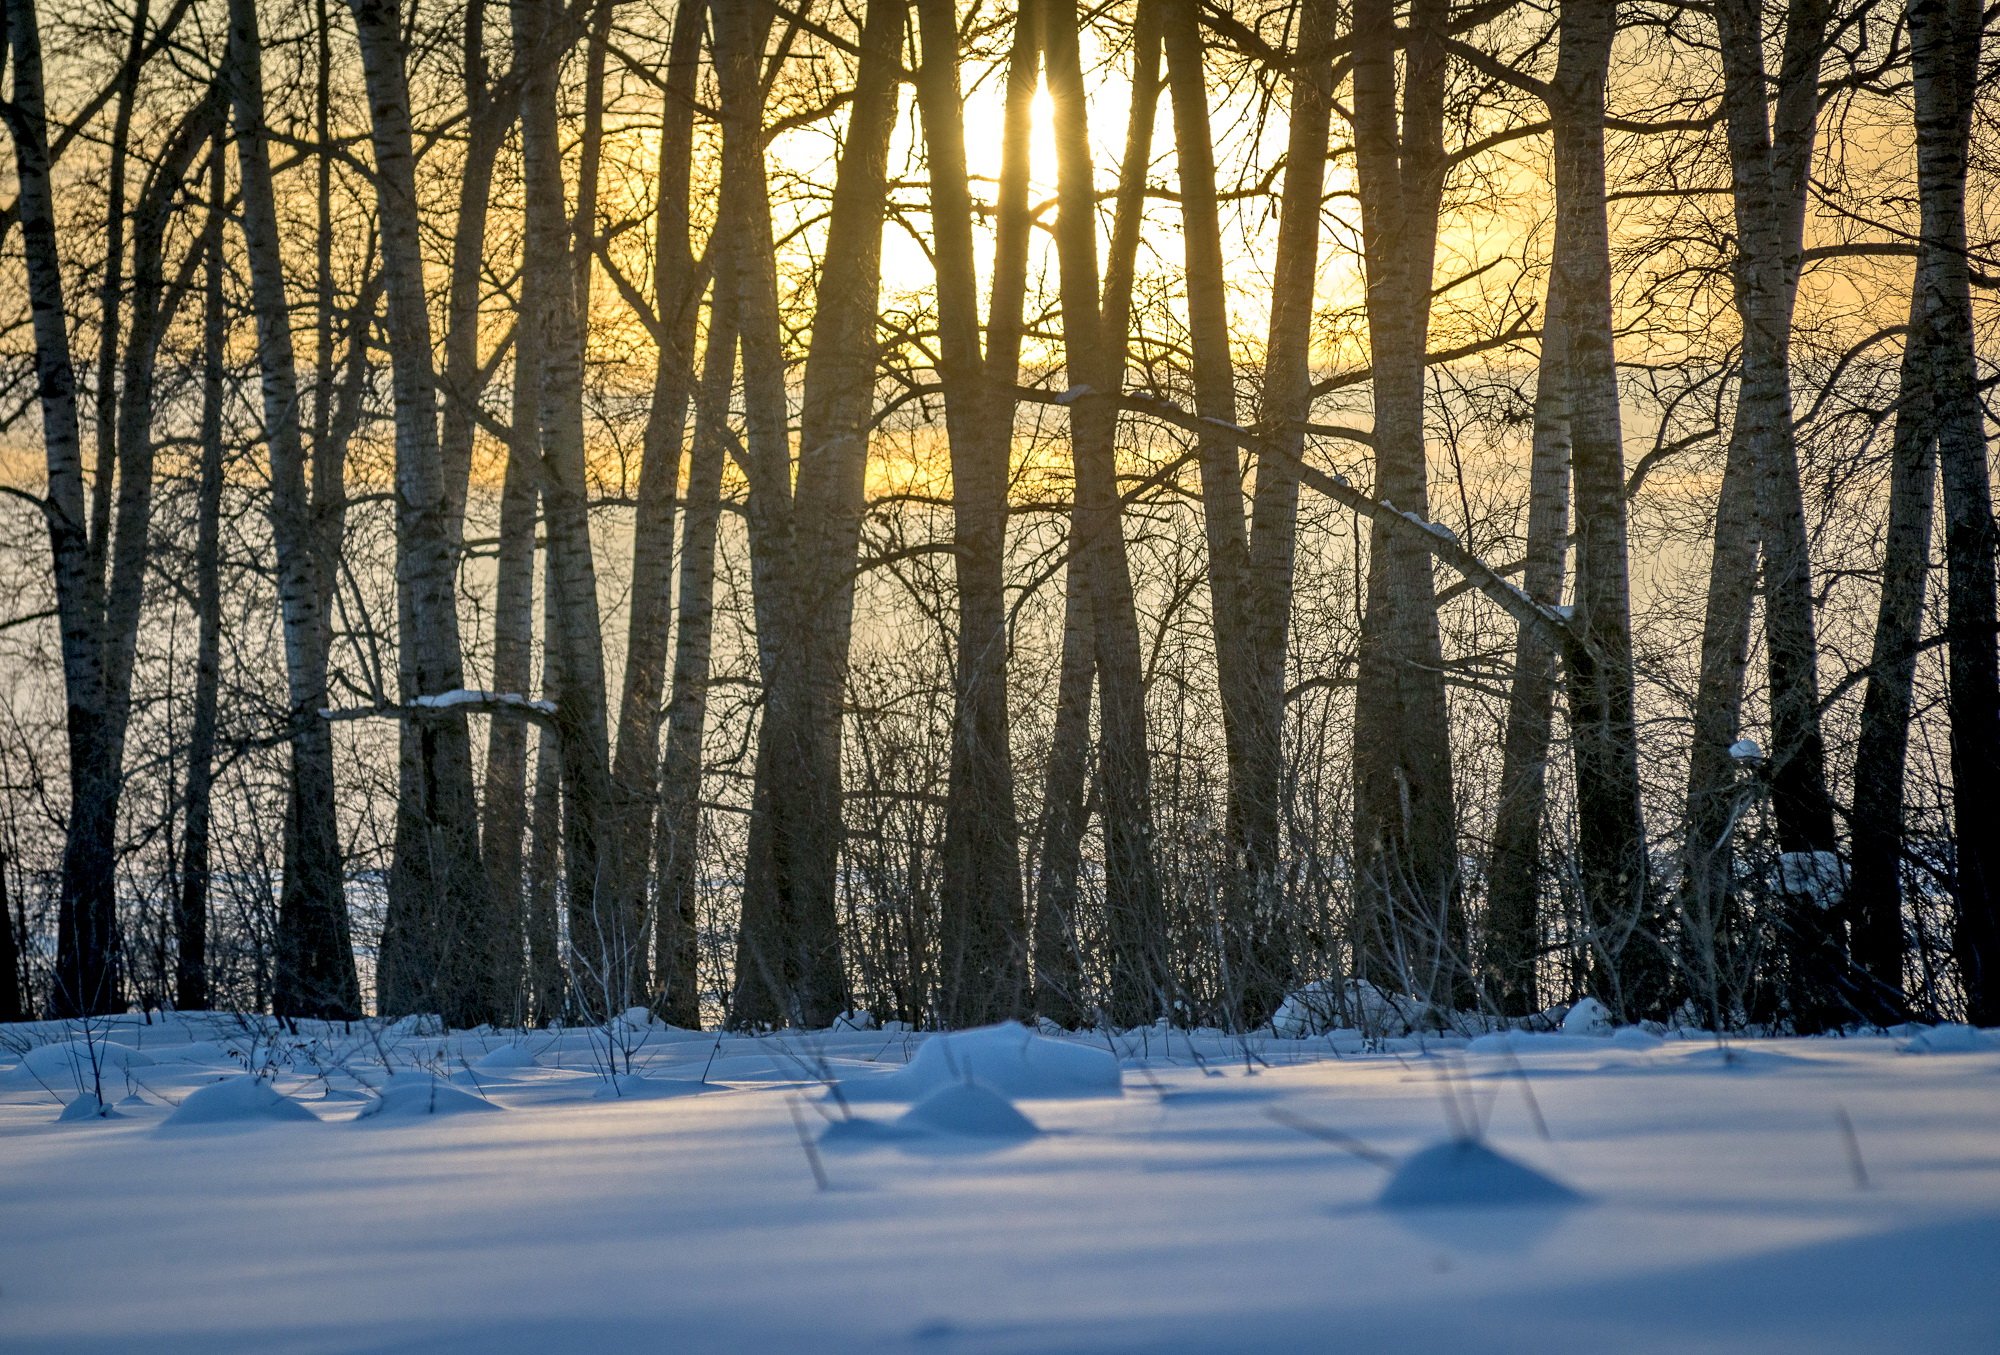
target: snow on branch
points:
(464, 699)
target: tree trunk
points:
(506, 811)
(1627, 962)
(191, 905)
(677, 946)
(1514, 876)
(547, 979)
(1250, 993)
(1945, 37)
(1768, 164)
(111, 294)
(983, 921)
(607, 949)
(1874, 894)
(1135, 915)
(1410, 922)
(13, 988)
(85, 979)
(315, 961)
(462, 379)
(1260, 944)
(443, 931)
(788, 968)
(676, 302)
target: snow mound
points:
(1949, 1039)
(1588, 1017)
(1320, 1006)
(417, 1024)
(968, 1110)
(1008, 1058)
(1467, 1174)
(87, 1107)
(408, 1096)
(634, 1087)
(505, 1057)
(68, 1062)
(638, 1019)
(237, 1100)
(1635, 1037)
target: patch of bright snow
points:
(1588, 1017)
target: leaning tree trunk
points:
(1945, 38)
(1134, 912)
(1410, 921)
(443, 924)
(315, 955)
(788, 967)
(983, 920)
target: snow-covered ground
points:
(1605, 1193)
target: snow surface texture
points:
(1525, 1192)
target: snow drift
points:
(1007, 1058)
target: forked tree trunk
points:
(1059, 983)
